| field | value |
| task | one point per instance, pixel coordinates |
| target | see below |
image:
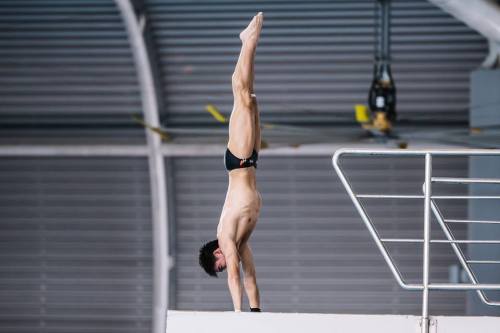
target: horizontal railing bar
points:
(466, 180)
(439, 197)
(390, 196)
(451, 197)
(402, 240)
(420, 240)
(465, 241)
(412, 286)
(444, 152)
(463, 286)
(483, 261)
(455, 286)
(472, 221)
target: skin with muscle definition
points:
(243, 201)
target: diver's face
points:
(220, 261)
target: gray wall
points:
(66, 70)
(314, 60)
(75, 245)
(68, 63)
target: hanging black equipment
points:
(382, 95)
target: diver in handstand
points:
(243, 201)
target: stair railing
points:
(430, 205)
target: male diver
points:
(243, 201)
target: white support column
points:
(156, 167)
(427, 228)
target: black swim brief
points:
(232, 162)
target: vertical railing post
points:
(427, 225)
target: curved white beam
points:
(156, 167)
(482, 16)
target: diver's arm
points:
(233, 274)
(250, 277)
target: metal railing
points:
(429, 206)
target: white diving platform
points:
(268, 322)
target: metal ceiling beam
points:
(187, 150)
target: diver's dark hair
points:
(207, 258)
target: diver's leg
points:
(242, 121)
(257, 126)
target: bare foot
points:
(250, 35)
